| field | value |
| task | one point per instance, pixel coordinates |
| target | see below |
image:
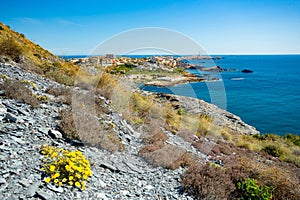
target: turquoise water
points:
(268, 99)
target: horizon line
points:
(254, 54)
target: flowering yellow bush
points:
(65, 167)
(30, 83)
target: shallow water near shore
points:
(268, 99)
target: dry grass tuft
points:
(206, 181)
(17, 90)
(167, 156)
(9, 47)
(80, 123)
(63, 94)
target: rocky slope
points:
(120, 175)
(220, 117)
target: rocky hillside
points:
(16, 48)
(137, 145)
(120, 175)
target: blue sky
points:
(219, 26)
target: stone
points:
(2, 181)
(108, 166)
(149, 187)
(30, 192)
(11, 117)
(44, 195)
(55, 134)
(101, 183)
(55, 189)
(24, 182)
(101, 196)
(18, 140)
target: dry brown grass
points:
(80, 123)
(9, 47)
(167, 156)
(63, 94)
(205, 181)
(208, 181)
(17, 90)
(279, 176)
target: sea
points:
(268, 98)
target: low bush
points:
(167, 156)
(32, 84)
(64, 94)
(295, 139)
(17, 90)
(82, 125)
(207, 181)
(65, 167)
(9, 47)
(273, 150)
(241, 177)
(250, 190)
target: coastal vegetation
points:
(236, 165)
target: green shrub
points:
(65, 167)
(273, 150)
(295, 139)
(250, 190)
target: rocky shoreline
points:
(120, 175)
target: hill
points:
(15, 47)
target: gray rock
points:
(54, 188)
(2, 181)
(149, 187)
(30, 192)
(55, 134)
(24, 182)
(11, 117)
(108, 166)
(18, 140)
(3, 111)
(44, 195)
(2, 93)
(101, 196)
(3, 158)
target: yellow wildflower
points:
(77, 184)
(47, 180)
(56, 175)
(52, 168)
(59, 183)
(85, 177)
(68, 167)
(71, 178)
(70, 183)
